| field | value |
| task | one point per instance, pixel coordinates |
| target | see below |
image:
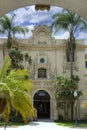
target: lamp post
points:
(75, 95)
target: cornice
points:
(42, 47)
(80, 47)
(42, 65)
(45, 81)
(46, 47)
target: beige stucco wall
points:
(54, 53)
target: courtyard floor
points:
(41, 125)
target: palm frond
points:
(23, 100)
(67, 20)
(19, 29)
(6, 113)
(6, 65)
(14, 88)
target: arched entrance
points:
(42, 104)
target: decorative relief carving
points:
(42, 35)
(42, 62)
(42, 7)
(40, 42)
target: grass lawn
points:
(12, 124)
(72, 124)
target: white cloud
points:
(63, 35)
(55, 9)
(82, 35)
(23, 14)
(29, 17)
(28, 35)
(2, 36)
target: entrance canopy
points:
(78, 6)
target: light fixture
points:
(76, 117)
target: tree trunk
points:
(3, 51)
(72, 111)
(71, 74)
(9, 41)
(71, 62)
(72, 47)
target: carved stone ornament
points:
(42, 7)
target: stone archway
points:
(41, 101)
(78, 6)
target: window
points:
(68, 56)
(42, 60)
(85, 64)
(41, 73)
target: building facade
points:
(49, 59)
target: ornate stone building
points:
(49, 58)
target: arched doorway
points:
(42, 104)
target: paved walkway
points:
(41, 125)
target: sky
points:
(27, 16)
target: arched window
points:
(42, 73)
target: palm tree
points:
(65, 87)
(71, 22)
(10, 29)
(27, 59)
(16, 58)
(14, 92)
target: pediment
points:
(42, 29)
(42, 35)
